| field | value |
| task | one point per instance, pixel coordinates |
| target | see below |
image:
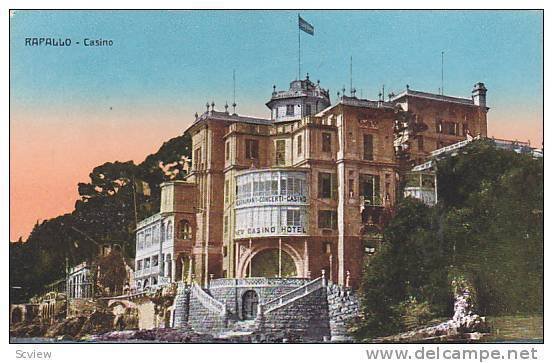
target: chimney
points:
(479, 94)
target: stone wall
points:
(181, 306)
(84, 307)
(147, 317)
(305, 318)
(343, 307)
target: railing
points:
(371, 202)
(147, 271)
(207, 301)
(454, 146)
(147, 221)
(424, 166)
(300, 291)
(257, 282)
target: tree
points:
(488, 226)
(111, 273)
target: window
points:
(327, 247)
(139, 265)
(328, 219)
(148, 237)
(280, 152)
(197, 157)
(252, 149)
(155, 260)
(450, 128)
(300, 139)
(140, 238)
(185, 231)
(307, 109)
(227, 150)
(169, 233)
(227, 190)
(327, 185)
(147, 262)
(465, 129)
(368, 147)
(289, 110)
(155, 233)
(293, 217)
(369, 188)
(439, 126)
(169, 265)
(326, 142)
(225, 225)
(351, 191)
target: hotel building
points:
(305, 190)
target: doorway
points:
(250, 300)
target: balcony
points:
(154, 270)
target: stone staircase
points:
(313, 311)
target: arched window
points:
(162, 229)
(185, 231)
(169, 233)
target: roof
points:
(359, 102)
(434, 97)
(228, 117)
(300, 88)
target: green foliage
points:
(111, 274)
(117, 195)
(487, 227)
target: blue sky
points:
(188, 56)
(77, 107)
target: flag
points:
(305, 26)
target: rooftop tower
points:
(304, 98)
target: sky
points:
(73, 108)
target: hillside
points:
(117, 195)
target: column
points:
(190, 262)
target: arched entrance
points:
(249, 305)
(266, 264)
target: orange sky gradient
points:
(51, 152)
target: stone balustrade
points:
(284, 299)
(257, 282)
(207, 301)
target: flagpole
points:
(442, 72)
(299, 49)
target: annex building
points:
(304, 190)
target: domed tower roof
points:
(303, 98)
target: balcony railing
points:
(154, 270)
(367, 201)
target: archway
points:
(250, 301)
(266, 264)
